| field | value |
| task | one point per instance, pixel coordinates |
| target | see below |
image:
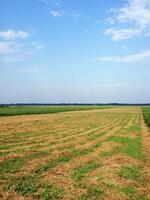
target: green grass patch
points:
(130, 146)
(81, 152)
(51, 164)
(92, 193)
(4, 147)
(38, 154)
(11, 165)
(130, 172)
(129, 191)
(80, 172)
(110, 153)
(93, 136)
(52, 193)
(45, 194)
(4, 153)
(24, 185)
(95, 146)
(29, 110)
(134, 128)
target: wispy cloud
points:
(11, 58)
(56, 13)
(13, 50)
(135, 15)
(6, 47)
(12, 34)
(133, 58)
(32, 48)
(121, 34)
(73, 14)
(58, 9)
(20, 52)
(57, 3)
(65, 13)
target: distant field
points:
(146, 114)
(28, 110)
(100, 154)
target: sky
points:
(74, 51)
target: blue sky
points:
(74, 51)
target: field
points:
(146, 114)
(78, 155)
(30, 110)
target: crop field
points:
(146, 114)
(29, 110)
(78, 155)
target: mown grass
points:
(80, 172)
(129, 191)
(51, 192)
(29, 185)
(38, 154)
(110, 153)
(11, 165)
(92, 193)
(37, 169)
(130, 146)
(130, 172)
(132, 194)
(85, 151)
(28, 110)
(93, 136)
(51, 164)
(24, 185)
(134, 128)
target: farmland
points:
(77, 155)
(146, 114)
(30, 110)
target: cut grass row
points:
(37, 142)
(6, 165)
(29, 110)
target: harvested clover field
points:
(76, 155)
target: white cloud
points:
(33, 48)
(121, 34)
(56, 13)
(137, 11)
(17, 52)
(145, 56)
(6, 47)
(37, 46)
(13, 51)
(12, 34)
(65, 13)
(135, 15)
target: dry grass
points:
(75, 155)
